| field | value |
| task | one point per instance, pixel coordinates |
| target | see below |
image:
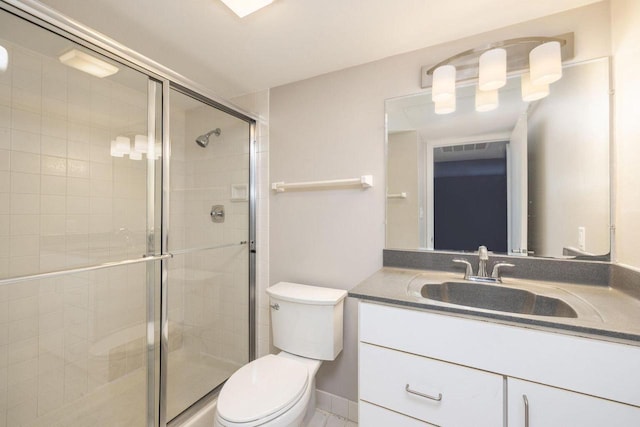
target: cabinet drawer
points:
(371, 416)
(553, 407)
(459, 396)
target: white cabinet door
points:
(430, 390)
(554, 407)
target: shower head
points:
(203, 140)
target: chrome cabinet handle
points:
(417, 393)
(526, 410)
(275, 306)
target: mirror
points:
(528, 178)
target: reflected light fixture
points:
(243, 8)
(492, 69)
(444, 84)
(135, 155)
(486, 100)
(89, 64)
(141, 144)
(114, 149)
(531, 92)
(123, 144)
(445, 107)
(546, 63)
(4, 59)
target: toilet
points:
(279, 390)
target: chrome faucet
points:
(483, 257)
(482, 276)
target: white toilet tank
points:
(307, 320)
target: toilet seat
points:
(262, 390)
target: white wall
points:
(625, 16)
(332, 126)
(402, 177)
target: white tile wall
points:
(64, 201)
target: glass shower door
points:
(208, 277)
(78, 208)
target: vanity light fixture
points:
(89, 64)
(530, 91)
(488, 67)
(486, 100)
(4, 59)
(243, 8)
(492, 69)
(444, 84)
(135, 155)
(546, 63)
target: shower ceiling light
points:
(243, 8)
(87, 63)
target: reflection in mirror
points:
(528, 178)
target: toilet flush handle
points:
(275, 306)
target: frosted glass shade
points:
(135, 155)
(486, 100)
(123, 144)
(444, 84)
(114, 149)
(530, 91)
(492, 69)
(546, 63)
(141, 144)
(4, 59)
(445, 107)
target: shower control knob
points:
(217, 213)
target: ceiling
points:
(291, 40)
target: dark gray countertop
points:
(603, 312)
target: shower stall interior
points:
(127, 230)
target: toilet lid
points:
(261, 388)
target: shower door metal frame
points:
(49, 19)
(166, 190)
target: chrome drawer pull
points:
(417, 393)
(526, 410)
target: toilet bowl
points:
(279, 390)
(270, 391)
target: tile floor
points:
(325, 419)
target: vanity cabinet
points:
(476, 372)
(537, 405)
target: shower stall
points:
(127, 224)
